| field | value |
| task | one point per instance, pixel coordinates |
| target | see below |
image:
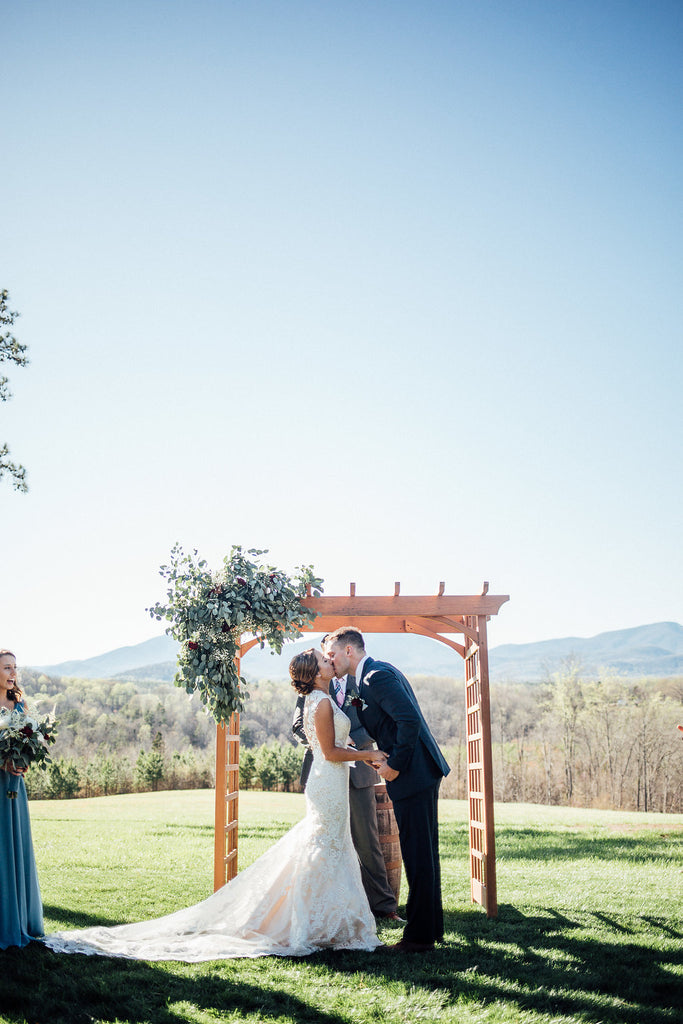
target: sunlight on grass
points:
(588, 930)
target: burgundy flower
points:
(27, 730)
(241, 582)
(193, 645)
(356, 702)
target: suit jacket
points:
(362, 775)
(393, 718)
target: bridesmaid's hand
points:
(9, 767)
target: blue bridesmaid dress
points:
(21, 909)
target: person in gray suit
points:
(362, 805)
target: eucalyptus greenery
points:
(211, 613)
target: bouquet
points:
(24, 740)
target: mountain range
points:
(653, 650)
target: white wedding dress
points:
(304, 894)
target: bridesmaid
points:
(21, 911)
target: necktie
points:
(338, 692)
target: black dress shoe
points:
(405, 946)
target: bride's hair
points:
(303, 668)
(15, 693)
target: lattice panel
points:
(479, 783)
(232, 797)
(227, 801)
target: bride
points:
(304, 894)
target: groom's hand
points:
(388, 773)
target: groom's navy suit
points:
(393, 718)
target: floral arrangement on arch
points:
(213, 613)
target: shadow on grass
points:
(76, 918)
(664, 926)
(551, 844)
(546, 963)
(47, 988)
(170, 827)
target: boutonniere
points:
(354, 700)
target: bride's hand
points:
(365, 755)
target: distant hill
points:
(654, 650)
(121, 661)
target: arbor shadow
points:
(538, 844)
(542, 964)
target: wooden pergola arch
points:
(433, 617)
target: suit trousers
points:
(363, 813)
(418, 833)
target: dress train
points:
(303, 895)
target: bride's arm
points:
(324, 730)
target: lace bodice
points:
(328, 781)
(342, 725)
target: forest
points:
(572, 740)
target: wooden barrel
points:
(388, 837)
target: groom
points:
(413, 773)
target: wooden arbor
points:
(429, 616)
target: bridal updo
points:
(303, 668)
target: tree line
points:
(587, 742)
(125, 736)
(572, 739)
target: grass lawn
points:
(589, 928)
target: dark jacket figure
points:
(392, 716)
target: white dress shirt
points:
(359, 669)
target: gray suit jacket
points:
(363, 775)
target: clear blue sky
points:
(393, 288)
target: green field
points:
(589, 928)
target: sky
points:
(391, 288)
